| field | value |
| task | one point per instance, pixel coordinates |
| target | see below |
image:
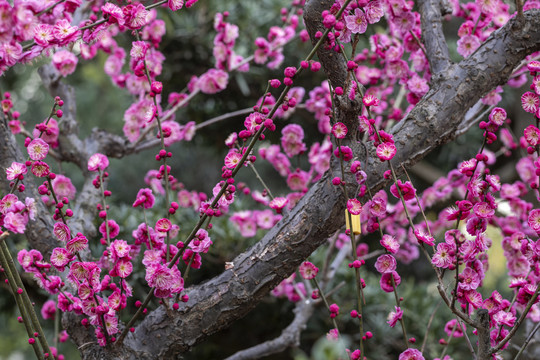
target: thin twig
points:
(529, 338)
(429, 325)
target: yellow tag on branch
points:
(356, 225)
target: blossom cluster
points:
(463, 249)
(99, 289)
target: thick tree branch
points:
(231, 295)
(433, 37)
(333, 63)
(484, 342)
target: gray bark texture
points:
(439, 117)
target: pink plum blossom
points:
(395, 316)
(213, 81)
(98, 162)
(307, 270)
(65, 62)
(357, 22)
(15, 170)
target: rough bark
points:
(436, 120)
(433, 37)
(484, 341)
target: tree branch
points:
(484, 342)
(432, 35)
(220, 301)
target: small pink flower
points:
(113, 228)
(175, 4)
(278, 204)
(354, 206)
(423, 237)
(8, 204)
(145, 198)
(374, 11)
(467, 167)
(62, 232)
(63, 187)
(530, 102)
(111, 322)
(60, 257)
(467, 45)
(292, 140)
(386, 281)
(120, 248)
(370, 100)
(123, 268)
(452, 328)
(135, 16)
(386, 151)
(48, 310)
(40, 169)
(469, 279)
(385, 263)
(201, 242)
(333, 335)
(307, 270)
(377, 206)
(497, 116)
(483, 210)
(15, 170)
(158, 275)
(355, 167)
(536, 85)
(37, 149)
(505, 318)
(339, 130)
(113, 13)
(534, 220)
(395, 316)
(390, 243)
(31, 207)
(334, 310)
(15, 222)
(298, 180)
(43, 34)
(344, 152)
(213, 81)
(418, 86)
(532, 135)
(98, 162)
(232, 159)
(411, 354)
(64, 33)
(78, 243)
(231, 139)
(50, 134)
(356, 23)
(406, 189)
(163, 225)
(534, 66)
(138, 49)
(65, 62)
